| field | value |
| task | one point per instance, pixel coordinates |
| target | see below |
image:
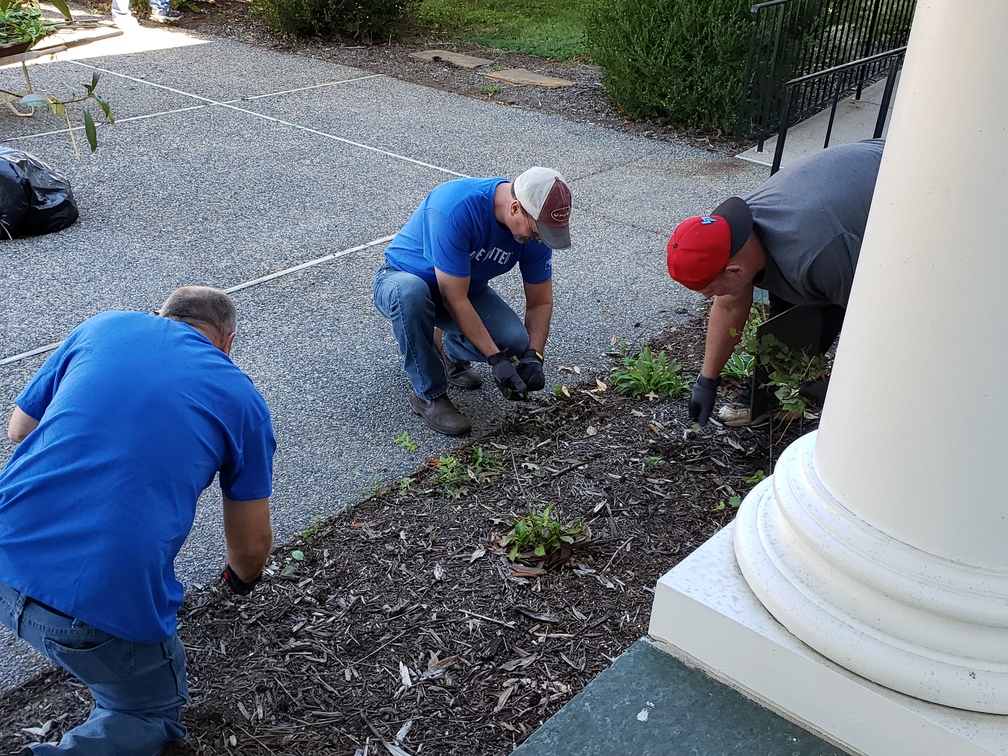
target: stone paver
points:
(520, 76)
(458, 59)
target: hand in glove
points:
(530, 368)
(506, 377)
(702, 400)
(236, 584)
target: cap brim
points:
(739, 217)
(554, 237)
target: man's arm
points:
(538, 313)
(455, 293)
(728, 316)
(249, 536)
(20, 425)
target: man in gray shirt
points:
(797, 236)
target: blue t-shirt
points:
(455, 231)
(137, 414)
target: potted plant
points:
(22, 25)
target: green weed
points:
(406, 442)
(649, 373)
(539, 532)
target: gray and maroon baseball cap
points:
(547, 198)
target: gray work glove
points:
(506, 377)
(701, 402)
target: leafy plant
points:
(756, 477)
(455, 476)
(488, 89)
(21, 22)
(740, 365)
(787, 369)
(539, 532)
(677, 59)
(360, 20)
(648, 373)
(406, 441)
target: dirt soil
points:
(401, 626)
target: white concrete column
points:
(881, 541)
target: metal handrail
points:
(793, 38)
(896, 57)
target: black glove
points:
(506, 377)
(701, 403)
(238, 585)
(530, 369)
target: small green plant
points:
(488, 89)
(406, 442)
(404, 484)
(756, 477)
(653, 461)
(540, 531)
(740, 365)
(456, 476)
(648, 373)
(787, 369)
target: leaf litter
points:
(403, 627)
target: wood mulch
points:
(402, 627)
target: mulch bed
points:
(402, 627)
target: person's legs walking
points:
(139, 688)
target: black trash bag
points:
(35, 198)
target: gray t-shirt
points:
(811, 217)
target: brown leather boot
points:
(460, 373)
(441, 415)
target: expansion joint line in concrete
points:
(279, 121)
(246, 285)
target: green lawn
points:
(552, 28)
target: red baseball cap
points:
(701, 246)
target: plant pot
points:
(14, 48)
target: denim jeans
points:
(121, 8)
(415, 308)
(139, 688)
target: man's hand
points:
(530, 368)
(239, 586)
(506, 377)
(702, 401)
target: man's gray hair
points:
(202, 306)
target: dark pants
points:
(832, 319)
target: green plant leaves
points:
(540, 531)
(648, 373)
(89, 130)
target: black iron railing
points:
(792, 39)
(840, 76)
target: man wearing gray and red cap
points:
(434, 288)
(798, 236)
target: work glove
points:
(506, 377)
(530, 368)
(701, 403)
(236, 584)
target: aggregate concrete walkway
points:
(231, 163)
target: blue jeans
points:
(139, 688)
(415, 309)
(121, 8)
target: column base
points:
(705, 614)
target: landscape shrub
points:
(359, 20)
(679, 59)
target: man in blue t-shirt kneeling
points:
(434, 288)
(118, 433)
